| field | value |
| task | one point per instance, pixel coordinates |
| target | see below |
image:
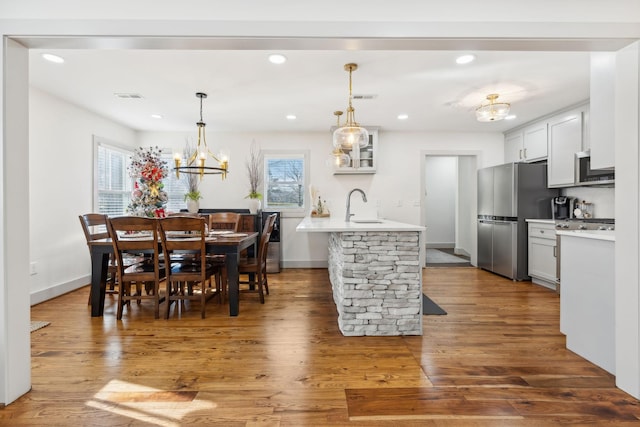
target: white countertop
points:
(541, 221)
(609, 235)
(328, 225)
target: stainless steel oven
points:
(580, 224)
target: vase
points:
(254, 205)
(193, 206)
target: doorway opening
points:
(449, 205)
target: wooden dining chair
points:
(94, 226)
(224, 221)
(133, 235)
(256, 267)
(190, 277)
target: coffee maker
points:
(562, 207)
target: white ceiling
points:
(247, 93)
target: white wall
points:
(466, 236)
(441, 183)
(603, 199)
(60, 189)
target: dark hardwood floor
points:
(496, 359)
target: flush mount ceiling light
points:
(351, 135)
(465, 59)
(195, 164)
(53, 58)
(492, 111)
(277, 58)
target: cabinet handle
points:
(525, 153)
(541, 231)
(520, 154)
(555, 252)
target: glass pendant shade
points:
(493, 111)
(349, 137)
(340, 159)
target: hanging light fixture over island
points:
(196, 163)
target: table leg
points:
(233, 280)
(99, 265)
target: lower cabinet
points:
(543, 254)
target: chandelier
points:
(351, 135)
(195, 164)
(493, 111)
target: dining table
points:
(231, 245)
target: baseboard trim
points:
(57, 290)
(440, 245)
(305, 264)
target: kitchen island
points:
(375, 272)
(587, 295)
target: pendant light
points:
(351, 135)
(340, 158)
(196, 163)
(493, 111)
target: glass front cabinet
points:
(363, 161)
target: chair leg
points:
(121, 291)
(260, 288)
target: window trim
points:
(305, 154)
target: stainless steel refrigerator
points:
(507, 195)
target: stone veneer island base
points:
(376, 275)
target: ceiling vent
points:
(364, 96)
(128, 95)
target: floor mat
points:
(437, 256)
(38, 325)
(430, 307)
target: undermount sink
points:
(367, 221)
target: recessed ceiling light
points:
(403, 116)
(291, 117)
(465, 59)
(53, 58)
(156, 116)
(510, 117)
(277, 58)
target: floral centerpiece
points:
(148, 169)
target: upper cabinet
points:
(601, 121)
(566, 135)
(365, 160)
(526, 145)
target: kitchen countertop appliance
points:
(562, 207)
(507, 195)
(580, 224)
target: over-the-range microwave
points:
(587, 176)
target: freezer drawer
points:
(485, 243)
(504, 248)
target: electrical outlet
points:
(33, 268)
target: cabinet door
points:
(513, 147)
(365, 160)
(535, 142)
(602, 90)
(542, 258)
(565, 140)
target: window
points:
(112, 185)
(285, 177)
(175, 188)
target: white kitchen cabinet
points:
(602, 90)
(367, 159)
(526, 145)
(543, 254)
(565, 140)
(513, 147)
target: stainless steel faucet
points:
(364, 199)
